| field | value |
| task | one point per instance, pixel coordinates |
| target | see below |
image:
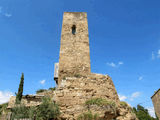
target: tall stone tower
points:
(74, 51)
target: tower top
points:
(74, 50)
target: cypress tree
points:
(20, 90)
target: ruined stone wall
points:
(74, 50)
(27, 100)
(156, 102)
(73, 92)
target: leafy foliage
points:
(45, 111)
(77, 75)
(20, 90)
(123, 104)
(88, 116)
(100, 102)
(3, 108)
(19, 112)
(40, 91)
(142, 113)
(52, 88)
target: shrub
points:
(40, 91)
(77, 75)
(52, 88)
(19, 112)
(99, 102)
(3, 108)
(47, 110)
(88, 116)
(124, 104)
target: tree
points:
(20, 90)
(142, 113)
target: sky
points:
(124, 40)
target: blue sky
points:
(124, 43)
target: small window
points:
(73, 29)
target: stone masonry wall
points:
(73, 92)
(156, 102)
(74, 50)
(27, 100)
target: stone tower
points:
(79, 91)
(74, 51)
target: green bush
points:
(19, 112)
(99, 102)
(3, 108)
(142, 113)
(40, 91)
(52, 88)
(77, 75)
(88, 116)
(47, 110)
(124, 104)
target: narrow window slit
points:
(73, 29)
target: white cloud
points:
(5, 96)
(153, 56)
(42, 82)
(158, 54)
(112, 64)
(122, 97)
(151, 111)
(8, 15)
(134, 95)
(4, 13)
(120, 63)
(140, 78)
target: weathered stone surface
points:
(156, 102)
(73, 92)
(74, 50)
(27, 100)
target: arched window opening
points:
(73, 29)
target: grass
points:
(41, 90)
(124, 104)
(3, 108)
(88, 116)
(100, 102)
(77, 75)
(52, 88)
